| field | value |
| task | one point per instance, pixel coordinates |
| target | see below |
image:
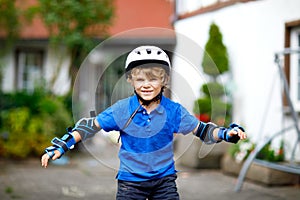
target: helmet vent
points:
(159, 52)
(148, 51)
(138, 52)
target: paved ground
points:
(91, 176)
(87, 178)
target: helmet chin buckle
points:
(148, 102)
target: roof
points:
(129, 14)
(132, 14)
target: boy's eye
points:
(140, 79)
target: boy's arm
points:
(83, 129)
(211, 133)
(45, 158)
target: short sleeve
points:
(106, 120)
(187, 122)
(115, 116)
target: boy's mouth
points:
(147, 92)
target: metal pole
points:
(286, 86)
(287, 94)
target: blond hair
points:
(150, 72)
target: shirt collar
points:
(135, 104)
(160, 108)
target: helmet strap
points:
(148, 102)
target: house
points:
(33, 61)
(253, 31)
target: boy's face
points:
(147, 83)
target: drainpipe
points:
(174, 17)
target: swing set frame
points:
(291, 166)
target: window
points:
(29, 69)
(112, 85)
(292, 62)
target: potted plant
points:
(233, 161)
(211, 105)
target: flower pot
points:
(258, 173)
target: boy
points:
(147, 122)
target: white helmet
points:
(146, 55)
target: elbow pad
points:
(205, 132)
(86, 128)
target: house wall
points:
(252, 33)
(57, 64)
(8, 73)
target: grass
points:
(10, 191)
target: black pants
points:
(164, 188)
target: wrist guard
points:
(223, 133)
(86, 128)
(205, 132)
(61, 144)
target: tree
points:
(9, 19)
(72, 23)
(216, 52)
(211, 106)
(75, 24)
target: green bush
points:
(30, 121)
(215, 60)
(202, 105)
(242, 150)
(269, 154)
(213, 89)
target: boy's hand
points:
(232, 134)
(236, 131)
(45, 158)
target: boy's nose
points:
(146, 84)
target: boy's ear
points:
(129, 80)
(166, 80)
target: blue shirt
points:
(147, 142)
